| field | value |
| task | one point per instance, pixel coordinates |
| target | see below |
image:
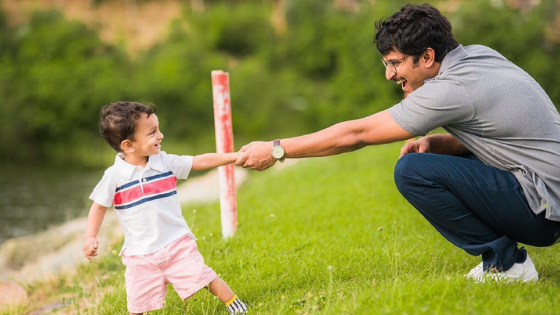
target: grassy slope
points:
(326, 236)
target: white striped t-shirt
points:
(145, 200)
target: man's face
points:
(403, 70)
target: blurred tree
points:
(517, 32)
(59, 73)
(278, 17)
(295, 66)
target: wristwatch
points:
(277, 150)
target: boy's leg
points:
(220, 289)
(478, 208)
(187, 272)
(145, 286)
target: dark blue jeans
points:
(478, 208)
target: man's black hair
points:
(414, 29)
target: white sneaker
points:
(522, 271)
(476, 273)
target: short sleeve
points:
(437, 103)
(180, 165)
(104, 192)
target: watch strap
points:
(276, 143)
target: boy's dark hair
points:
(118, 121)
(413, 30)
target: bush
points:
(56, 74)
(519, 36)
(59, 72)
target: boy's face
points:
(147, 139)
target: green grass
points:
(325, 236)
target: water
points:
(33, 198)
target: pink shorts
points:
(178, 263)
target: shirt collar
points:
(155, 162)
(126, 169)
(452, 58)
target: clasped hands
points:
(256, 156)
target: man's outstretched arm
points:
(340, 138)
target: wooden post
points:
(224, 144)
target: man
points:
(493, 180)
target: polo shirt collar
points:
(126, 169)
(452, 58)
(155, 163)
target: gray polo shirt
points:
(499, 112)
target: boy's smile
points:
(147, 140)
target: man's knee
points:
(406, 170)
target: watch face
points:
(278, 152)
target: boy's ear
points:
(126, 146)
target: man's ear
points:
(429, 57)
(126, 146)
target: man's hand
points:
(90, 247)
(256, 155)
(421, 145)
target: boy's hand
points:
(240, 157)
(256, 155)
(90, 247)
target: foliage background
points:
(56, 73)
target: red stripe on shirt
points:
(150, 188)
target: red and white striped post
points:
(224, 144)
